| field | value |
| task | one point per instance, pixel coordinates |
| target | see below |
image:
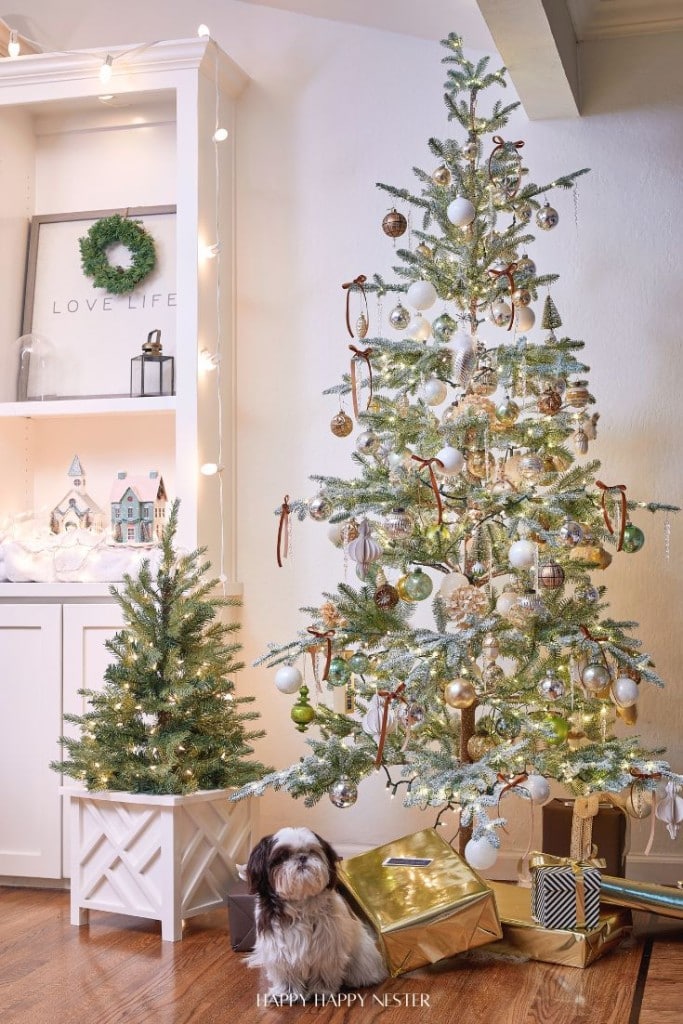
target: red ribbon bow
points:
(622, 519)
(389, 696)
(359, 353)
(358, 282)
(327, 636)
(429, 463)
(282, 531)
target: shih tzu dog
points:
(308, 941)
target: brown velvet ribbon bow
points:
(364, 354)
(621, 488)
(327, 636)
(358, 282)
(429, 463)
(389, 696)
(283, 531)
(507, 272)
(509, 784)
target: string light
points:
(209, 252)
(13, 47)
(209, 469)
(106, 69)
(207, 361)
(220, 135)
(203, 31)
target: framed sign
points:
(87, 336)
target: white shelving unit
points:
(69, 149)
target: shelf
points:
(88, 407)
(41, 591)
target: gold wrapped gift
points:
(572, 948)
(422, 899)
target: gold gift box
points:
(576, 948)
(422, 899)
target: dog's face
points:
(291, 865)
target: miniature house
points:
(76, 510)
(138, 508)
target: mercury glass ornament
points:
(320, 508)
(460, 693)
(500, 313)
(581, 441)
(359, 663)
(479, 745)
(571, 533)
(415, 715)
(634, 538)
(442, 176)
(418, 585)
(521, 296)
(531, 466)
(551, 686)
(595, 676)
(547, 217)
(401, 589)
(386, 597)
(343, 793)
(399, 317)
(550, 575)
(470, 150)
(434, 391)
(444, 327)
(493, 675)
(507, 412)
(490, 647)
(480, 463)
(398, 524)
(368, 442)
(523, 211)
(484, 380)
(419, 329)
(507, 725)
(525, 269)
(341, 425)
(464, 365)
(588, 594)
(402, 405)
(338, 672)
(394, 224)
(577, 394)
(424, 250)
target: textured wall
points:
(331, 109)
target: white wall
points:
(331, 109)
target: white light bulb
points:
(220, 135)
(13, 47)
(209, 469)
(209, 252)
(106, 69)
(208, 361)
(203, 31)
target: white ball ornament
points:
(525, 318)
(625, 691)
(288, 679)
(538, 788)
(480, 854)
(452, 461)
(462, 342)
(419, 329)
(506, 602)
(335, 532)
(522, 554)
(434, 391)
(461, 212)
(421, 295)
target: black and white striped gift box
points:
(566, 897)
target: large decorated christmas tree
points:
(473, 488)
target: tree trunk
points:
(466, 731)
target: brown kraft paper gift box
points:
(609, 833)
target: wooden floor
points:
(117, 970)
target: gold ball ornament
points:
(593, 555)
(521, 296)
(479, 745)
(341, 425)
(470, 150)
(484, 380)
(480, 464)
(401, 590)
(424, 250)
(442, 176)
(394, 224)
(460, 694)
(507, 412)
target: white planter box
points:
(162, 857)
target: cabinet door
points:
(86, 629)
(30, 712)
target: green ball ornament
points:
(438, 533)
(418, 585)
(443, 327)
(634, 538)
(507, 412)
(560, 729)
(507, 726)
(359, 663)
(338, 672)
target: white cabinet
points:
(30, 712)
(48, 652)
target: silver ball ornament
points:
(571, 533)
(551, 686)
(547, 217)
(320, 508)
(399, 317)
(343, 793)
(368, 442)
(595, 676)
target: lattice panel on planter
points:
(162, 857)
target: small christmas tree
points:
(167, 720)
(522, 676)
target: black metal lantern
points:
(152, 373)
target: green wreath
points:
(95, 260)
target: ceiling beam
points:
(536, 40)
